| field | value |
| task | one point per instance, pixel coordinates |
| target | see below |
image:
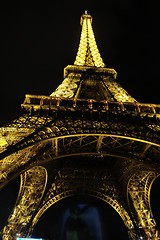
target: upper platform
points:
(88, 77)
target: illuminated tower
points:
(89, 137)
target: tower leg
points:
(32, 187)
(139, 195)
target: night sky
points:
(39, 39)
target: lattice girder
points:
(72, 145)
(88, 53)
(18, 162)
(138, 191)
(20, 128)
(73, 181)
(66, 184)
(89, 123)
(33, 183)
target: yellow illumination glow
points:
(88, 53)
(2, 142)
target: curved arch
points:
(88, 124)
(79, 143)
(154, 199)
(73, 191)
(69, 145)
(63, 133)
(55, 218)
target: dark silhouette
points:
(76, 228)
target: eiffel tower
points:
(88, 138)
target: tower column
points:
(32, 187)
(139, 187)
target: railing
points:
(40, 102)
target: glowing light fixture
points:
(19, 238)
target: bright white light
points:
(29, 238)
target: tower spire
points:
(88, 78)
(88, 53)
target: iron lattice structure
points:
(89, 137)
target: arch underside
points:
(72, 179)
(68, 139)
(52, 148)
(75, 123)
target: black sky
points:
(39, 39)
